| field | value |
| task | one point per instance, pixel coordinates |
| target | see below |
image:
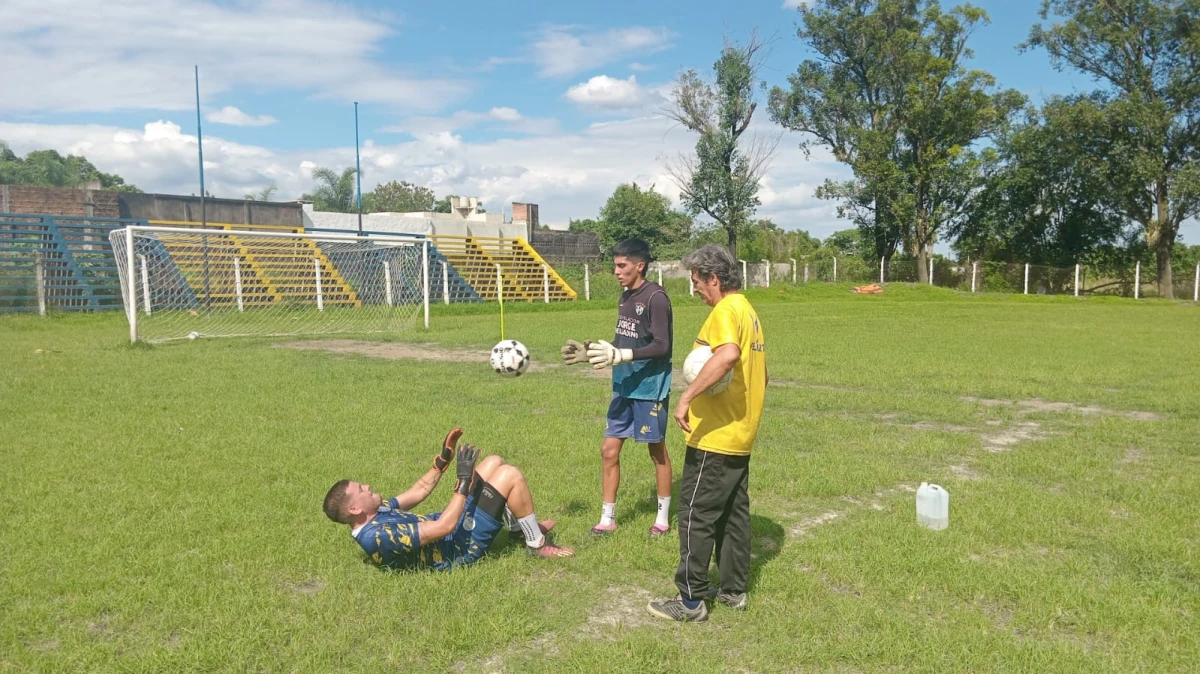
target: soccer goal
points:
(185, 282)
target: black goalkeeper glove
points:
(443, 458)
(465, 468)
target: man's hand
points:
(464, 469)
(681, 414)
(573, 352)
(443, 458)
(601, 354)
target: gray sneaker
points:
(673, 609)
(734, 601)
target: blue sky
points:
(548, 102)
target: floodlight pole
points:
(203, 212)
(358, 169)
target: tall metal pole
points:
(358, 169)
(203, 212)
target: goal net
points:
(188, 282)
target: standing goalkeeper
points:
(640, 358)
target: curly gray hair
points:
(712, 260)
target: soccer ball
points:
(193, 335)
(510, 358)
(695, 362)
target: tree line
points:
(939, 151)
(337, 192)
(48, 168)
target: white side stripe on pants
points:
(691, 503)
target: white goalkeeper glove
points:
(601, 354)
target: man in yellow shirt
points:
(714, 504)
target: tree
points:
(334, 193)
(398, 197)
(632, 212)
(264, 194)
(1045, 202)
(48, 168)
(849, 98)
(721, 179)
(892, 99)
(762, 239)
(847, 243)
(1146, 124)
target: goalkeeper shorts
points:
(641, 420)
(480, 522)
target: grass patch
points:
(162, 502)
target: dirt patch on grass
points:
(101, 628)
(1004, 440)
(809, 523)
(964, 472)
(623, 607)
(1132, 455)
(308, 587)
(425, 352)
(44, 645)
(1038, 405)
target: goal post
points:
(181, 282)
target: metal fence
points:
(58, 262)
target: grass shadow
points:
(766, 539)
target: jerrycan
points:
(933, 506)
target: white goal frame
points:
(127, 259)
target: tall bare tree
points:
(721, 178)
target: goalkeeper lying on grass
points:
(462, 533)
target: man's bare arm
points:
(420, 490)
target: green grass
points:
(161, 504)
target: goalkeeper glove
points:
(601, 354)
(465, 469)
(573, 352)
(446, 455)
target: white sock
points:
(511, 521)
(608, 514)
(664, 510)
(529, 527)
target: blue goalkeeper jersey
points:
(644, 324)
(390, 539)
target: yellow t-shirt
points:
(727, 423)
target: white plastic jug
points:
(933, 506)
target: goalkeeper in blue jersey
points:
(484, 496)
(640, 358)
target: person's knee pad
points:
(491, 502)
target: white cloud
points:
(640, 67)
(569, 174)
(500, 118)
(235, 117)
(560, 52)
(138, 54)
(610, 93)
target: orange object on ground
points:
(873, 289)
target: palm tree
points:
(334, 192)
(264, 195)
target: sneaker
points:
(733, 600)
(659, 530)
(673, 609)
(602, 529)
(548, 550)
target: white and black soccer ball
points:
(510, 358)
(695, 362)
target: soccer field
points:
(161, 505)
